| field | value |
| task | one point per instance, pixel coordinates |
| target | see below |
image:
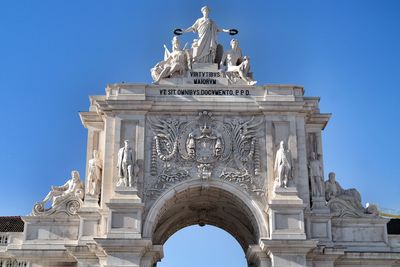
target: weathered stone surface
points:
(203, 145)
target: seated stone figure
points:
(233, 56)
(235, 65)
(175, 62)
(343, 202)
(73, 188)
(243, 70)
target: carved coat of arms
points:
(205, 148)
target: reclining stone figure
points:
(345, 202)
(60, 196)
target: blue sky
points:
(54, 54)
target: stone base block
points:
(91, 201)
(286, 215)
(125, 217)
(320, 220)
(284, 253)
(205, 67)
(129, 252)
(319, 205)
(130, 193)
(89, 224)
(360, 232)
(48, 229)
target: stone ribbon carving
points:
(205, 148)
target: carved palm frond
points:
(166, 130)
(244, 134)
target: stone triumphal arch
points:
(203, 144)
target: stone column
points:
(301, 180)
(269, 148)
(111, 145)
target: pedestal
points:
(284, 253)
(286, 215)
(91, 201)
(89, 219)
(124, 251)
(125, 216)
(320, 221)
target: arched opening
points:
(197, 246)
(214, 203)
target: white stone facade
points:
(204, 154)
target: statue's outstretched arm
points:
(62, 187)
(190, 29)
(223, 30)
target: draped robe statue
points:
(206, 44)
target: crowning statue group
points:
(204, 49)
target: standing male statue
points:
(125, 165)
(94, 174)
(206, 45)
(283, 165)
(317, 182)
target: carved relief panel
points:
(206, 147)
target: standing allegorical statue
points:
(283, 165)
(94, 174)
(317, 182)
(125, 166)
(206, 44)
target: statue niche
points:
(127, 169)
(283, 166)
